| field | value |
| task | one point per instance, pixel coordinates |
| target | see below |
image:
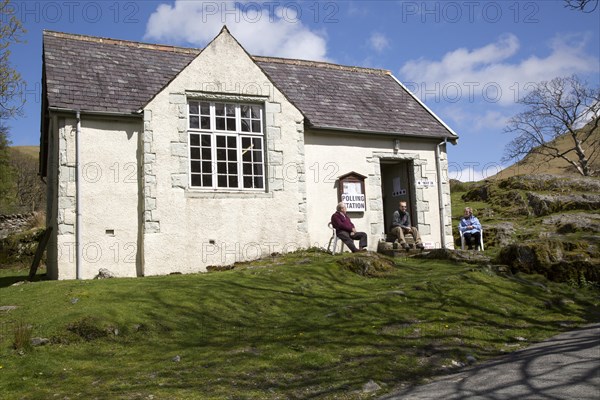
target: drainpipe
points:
(440, 194)
(78, 180)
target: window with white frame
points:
(226, 144)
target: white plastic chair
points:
(334, 240)
(463, 241)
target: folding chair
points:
(334, 240)
(463, 242)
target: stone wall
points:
(14, 223)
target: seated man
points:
(401, 226)
(471, 229)
(344, 229)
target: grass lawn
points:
(295, 326)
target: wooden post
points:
(38, 253)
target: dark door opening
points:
(397, 185)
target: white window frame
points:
(257, 185)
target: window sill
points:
(203, 194)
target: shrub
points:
(22, 336)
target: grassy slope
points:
(298, 326)
(32, 151)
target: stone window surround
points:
(274, 178)
(239, 134)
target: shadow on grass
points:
(19, 276)
(330, 339)
(565, 366)
(6, 281)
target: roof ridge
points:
(129, 43)
(191, 50)
(322, 64)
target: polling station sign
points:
(354, 202)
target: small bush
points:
(22, 336)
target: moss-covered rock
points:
(367, 264)
(467, 256)
(551, 183)
(574, 222)
(500, 234)
(544, 204)
(481, 192)
(551, 259)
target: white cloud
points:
(379, 42)
(476, 119)
(468, 174)
(486, 73)
(473, 173)
(268, 28)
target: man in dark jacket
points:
(401, 226)
(345, 230)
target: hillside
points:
(536, 164)
(31, 151)
(542, 224)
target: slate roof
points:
(107, 75)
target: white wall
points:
(329, 155)
(109, 198)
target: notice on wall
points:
(353, 197)
(351, 188)
(354, 202)
(398, 191)
(425, 183)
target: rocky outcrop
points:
(552, 259)
(501, 234)
(545, 204)
(467, 256)
(550, 183)
(367, 264)
(478, 193)
(562, 245)
(574, 222)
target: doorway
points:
(397, 184)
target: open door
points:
(397, 184)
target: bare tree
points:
(562, 106)
(11, 101)
(11, 29)
(6, 172)
(587, 6)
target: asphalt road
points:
(564, 367)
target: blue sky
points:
(467, 60)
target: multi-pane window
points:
(226, 145)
